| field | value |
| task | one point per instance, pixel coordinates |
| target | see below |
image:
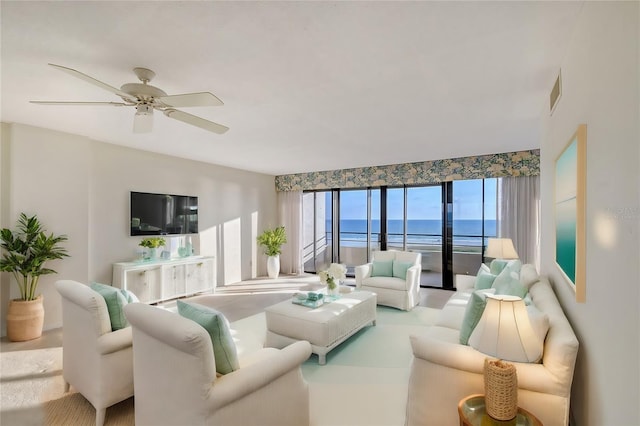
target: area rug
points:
(363, 383)
(365, 379)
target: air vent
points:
(554, 97)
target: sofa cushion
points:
(115, 300)
(484, 280)
(507, 282)
(497, 265)
(224, 348)
(382, 268)
(528, 275)
(130, 296)
(452, 313)
(539, 321)
(385, 282)
(400, 269)
(509, 285)
(473, 312)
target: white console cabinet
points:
(166, 279)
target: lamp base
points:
(500, 389)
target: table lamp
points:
(505, 332)
(501, 248)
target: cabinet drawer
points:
(200, 277)
(146, 284)
(173, 277)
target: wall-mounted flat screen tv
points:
(163, 214)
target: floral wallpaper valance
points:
(521, 163)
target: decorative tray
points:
(309, 303)
(313, 300)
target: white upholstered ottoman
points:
(324, 327)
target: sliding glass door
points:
(474, 221)
(448, 223)
(354, 228)
(317, 230)
(424, 230)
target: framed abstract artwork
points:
(570, 214)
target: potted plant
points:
(272, 240)
(25, 252)
(152, 243)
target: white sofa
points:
(391, 290)
(444, 371)
(176, 384)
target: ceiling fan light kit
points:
(143, 120)
(145, 98)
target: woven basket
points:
(500, 389)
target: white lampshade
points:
(501, 248)
(504, 331)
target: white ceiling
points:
(307, 85)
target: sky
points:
(423, 202)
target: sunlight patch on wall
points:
(254, 244)
(605, 229)
(232, 249)
(208, 238)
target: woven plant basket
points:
(500, 389)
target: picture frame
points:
(570, 211)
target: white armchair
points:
(176, 383)
(394, 291)
(96, 361)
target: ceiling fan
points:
(145, 98)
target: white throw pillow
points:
(539, 321)
(528, 275)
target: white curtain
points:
(519, 215)
(290, 215)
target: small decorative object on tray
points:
(310, 300)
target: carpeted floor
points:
(363, 383)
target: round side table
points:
(472, 412)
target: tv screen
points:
(163, 214)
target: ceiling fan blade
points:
(95, 82)
(196, 121)
(191, 100)
(78, 103)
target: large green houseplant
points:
(25, 252)
(272, 241)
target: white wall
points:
(600, 87)
(80, 187)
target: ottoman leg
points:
(322, 359)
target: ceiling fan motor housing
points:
(143, 92)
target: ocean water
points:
(428, 232)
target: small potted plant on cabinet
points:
(272, 240)
(152, 243)
(25, 252)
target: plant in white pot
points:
(272, 240)
(152, 243)
(25, 252)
